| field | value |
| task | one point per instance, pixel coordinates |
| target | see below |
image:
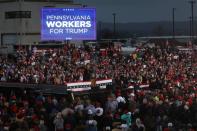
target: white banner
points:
(84, 86)
(141, 86)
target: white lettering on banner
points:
(56, 31)
(70, 31)
(76, 31)
(88, 24)
(141, 86)
(66, 24)
(77, 24)
(71, 24)
(50, 24)
(79, 89)
(104, 81)
(78, 84)
(68, 17)
(58, 24)
(84, 86)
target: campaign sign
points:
(68, 24)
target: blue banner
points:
(68, 24)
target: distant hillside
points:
(148, 29)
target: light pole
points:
(173, 23)
(192, 2)
(114, 27)
(190, 27)
(100, 30)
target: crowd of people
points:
(57, 66)
(169, 104)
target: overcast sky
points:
(140, 10)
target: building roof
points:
(167, 37)
(66, 1)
